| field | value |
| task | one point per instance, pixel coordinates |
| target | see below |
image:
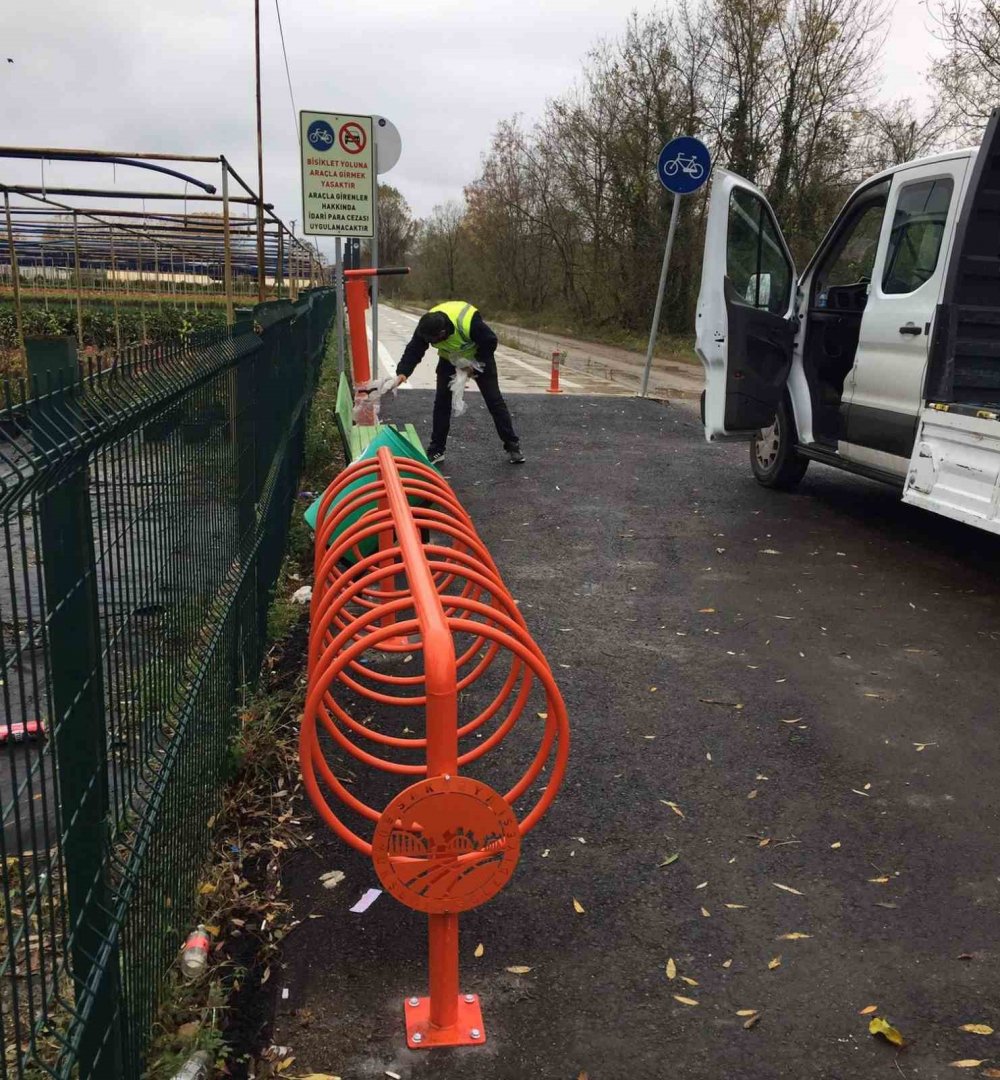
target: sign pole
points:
(375, 259)
(683, 166)
(659, 294)
(338, 247)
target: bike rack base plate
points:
(418, 1023)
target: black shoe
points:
(514, 455)
(435, 456)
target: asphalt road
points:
(520, 372)
(810, 679)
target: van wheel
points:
(773, 457)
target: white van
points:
(883, 358)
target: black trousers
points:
(489, 387)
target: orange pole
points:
(356, 294)
(554, 383)
(442, 722)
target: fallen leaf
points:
(868, 1010)
(480, 949)
(967, 1063)
(320, 1076)
(716, 701)
(977, 1029)
(795, 936)
(991, 1072)
(703, 885)
(673, 806)
(685, 1000)
(786, 888)
(652, 689)
(706, 913)
(753, 794)
(796, 720)
(671, 969)
(878, 1026)
(190, 1029)
(706, 611)
(879, 880)
(835, 845)
(206, 889)
(727, 964)
(736, 907)
(213, 930)
(764, 841)
(393, 1076)
(578, 907)
(519, 969)
(775, 963)
(542, 715)
(689, 981)
(750, 1023)
(746, 1012)
(668, 860)
(283, 1065)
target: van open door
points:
(744, 330)
(955, 464)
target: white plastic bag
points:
(457, 387)
(463, 372)
(367, 398)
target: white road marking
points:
(539, 372)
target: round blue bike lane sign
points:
(684, 165)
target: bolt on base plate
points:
(468, 1029)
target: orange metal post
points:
(556, 361)
(442, 725)
(356, 294)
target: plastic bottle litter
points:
(197, 1067)
(194, 959)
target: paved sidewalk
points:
(782, 780)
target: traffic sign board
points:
(388, 144)
(338, 180)
(684, 165)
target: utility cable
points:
(288, 74)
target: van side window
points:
(917, 229)
(756, 264)
(851, 256)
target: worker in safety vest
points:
(465, 344)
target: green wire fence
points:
(144, 506)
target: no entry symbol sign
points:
(352, 138)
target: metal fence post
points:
(78, 721)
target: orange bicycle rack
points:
(401, 577)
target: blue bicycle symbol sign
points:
(320, 135)
(684, 165)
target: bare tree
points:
(440, 248)
(895, 132)
(968, 77)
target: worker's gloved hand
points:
(377, 388)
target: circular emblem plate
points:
(446, 845)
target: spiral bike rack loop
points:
(401, 575)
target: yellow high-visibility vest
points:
(459, 346)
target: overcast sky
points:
(177, 76)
